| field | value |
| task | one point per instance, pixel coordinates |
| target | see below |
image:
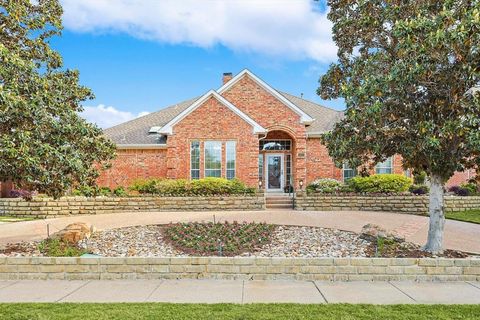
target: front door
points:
(274, 172)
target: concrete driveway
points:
(458, 235)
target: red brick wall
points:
(460, 177)
(213, 121)
(133, 164)
(319, 163)
(272, 114)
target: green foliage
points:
(86, 191)
(419, 177)
(226, 239)
(57, 248)
(105, 191)
(120, 192)
(472, 188)
(182, 187)
(325, 186)
(406, 70)
(381, 183)
(419, 189)
(45, 144)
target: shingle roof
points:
(325, 118)
(136, 132)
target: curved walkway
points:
(458, 235)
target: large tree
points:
(44, 143)
(408, 70)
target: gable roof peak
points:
(168, 128)
(304, 117)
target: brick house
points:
(245, 129)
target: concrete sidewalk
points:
(233, 291)
(458, 235)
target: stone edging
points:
(394, 203)
(334, 269)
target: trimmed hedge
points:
(325, 185)
(200, 187)
(380, 183)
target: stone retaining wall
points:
(395, 203)
(46, 207)
(335, 269)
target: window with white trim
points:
(213, 159)
(230, 158)
(195, 159)
(385, 166)
(348, 172)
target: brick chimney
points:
(227, 76)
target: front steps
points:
(278, 201)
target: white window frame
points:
(227, 143)
(205, 158)
(199, 156)
(382, 166)
(346, 167)
(276, 140)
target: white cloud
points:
(106, 117)
(293, 29)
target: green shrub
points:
(120, 192)
(472, 188)
(144, 185)
(105, 191)
(419, 177)
(182, 187)
(86, 191)
(325, 185)
(58, 248)
(380, 183)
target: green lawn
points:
(232, 311)
(14, 219)
(467, 216)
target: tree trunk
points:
(437, 216)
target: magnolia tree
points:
(409, 72)
(44, 144)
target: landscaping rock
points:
(372, 232)
(74, 232)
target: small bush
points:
(226, 239)
(105, 191)
(419, 177)
(325, 186)
(419, 189)
(464, 190)
(380, 183)
(471, 187)
(86, 191)
(182, 187)
(58, 248)
(120, 192)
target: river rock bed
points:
(287, 241)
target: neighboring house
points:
(246, 129)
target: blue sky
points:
(141, 57)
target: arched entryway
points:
(276, 161)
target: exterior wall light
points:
(260, 184)
(301, 184)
